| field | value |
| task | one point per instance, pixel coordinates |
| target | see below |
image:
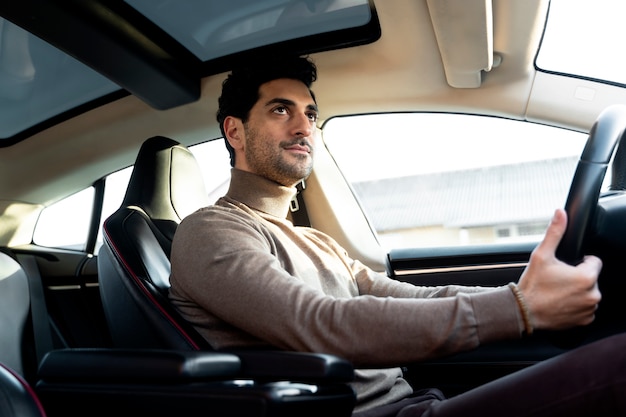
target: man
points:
(244, 276)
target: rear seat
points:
(17, 398)
(14, 315)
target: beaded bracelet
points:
(519, 297)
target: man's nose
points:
(302, 125)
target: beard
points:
(271, 163)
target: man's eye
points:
(280, 110)
(313, 117)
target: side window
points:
(114, 189)
(427, 180)
(214, 162)
(65, 224)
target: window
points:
(582, 38)
(66, 223)
(428, 180)
(212, 29)
(39, 81)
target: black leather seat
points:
(14, 310)
(17, 398)
(134, 268)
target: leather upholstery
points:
(14, 308)
(17, 398)
(166, 185)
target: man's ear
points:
(233, 128)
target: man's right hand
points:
(558, 295)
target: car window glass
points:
(427, 180)
(212, 29)
(66, 223)
(214, 163)
(114, 190)
(580, 38)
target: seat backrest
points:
(133, 263)
(17, 398)
(14, 309)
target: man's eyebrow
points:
(289, 103)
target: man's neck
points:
(259, 193)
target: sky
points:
(360, 143)
(586, 37)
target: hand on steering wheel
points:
(582, 200)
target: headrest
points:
(166, 182)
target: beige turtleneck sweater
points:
(244, 276)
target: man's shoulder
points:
(209, 226)
(222, 211)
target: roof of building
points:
(520, 193)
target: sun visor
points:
(464, 32)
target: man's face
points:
(280, 134)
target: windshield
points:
(582, 38)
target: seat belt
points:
(39, 312)
(297, 207)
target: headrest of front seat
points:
(166, 183)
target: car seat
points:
(14, 312)
(17, 398)
(133, 262)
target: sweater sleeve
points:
(226, 266)
(374, 283)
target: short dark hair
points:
(240, 90)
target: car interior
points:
(450, 131)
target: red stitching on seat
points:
(28, 388)
(139, 282)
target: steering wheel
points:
(582, 200)
(607, 131)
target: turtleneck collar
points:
(259, 193)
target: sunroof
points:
(212, 29)
(583, 38)
(38, 81)
(40, 84)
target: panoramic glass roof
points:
(211, 29)
(39, 82)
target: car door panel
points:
(484, 266)
(70, 283)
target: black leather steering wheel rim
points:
(584, 192)
(582, 200)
